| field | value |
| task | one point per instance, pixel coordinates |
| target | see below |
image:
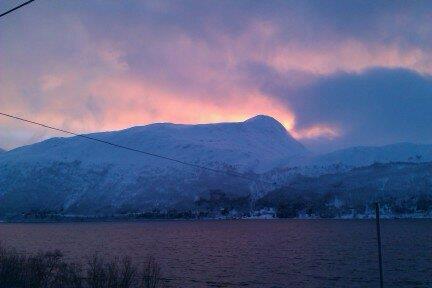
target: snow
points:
(80, 173)
(360, 156)
(258, 144)
(366, 155)
(344, 160)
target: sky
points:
(335, 73)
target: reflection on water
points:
(249, 253)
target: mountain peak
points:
(262, 118)
(264, 121)
(94, 175)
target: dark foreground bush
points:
(49, 270)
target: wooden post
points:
(378, 228)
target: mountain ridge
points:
(79, 175)
(258, 143)
(366, 155)
(403, 189)
(76, 175)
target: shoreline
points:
(200, 220)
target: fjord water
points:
(249, 253)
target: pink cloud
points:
(129, 101)
(348, 56)
(50, 82)
(318, 130)
(150, 73)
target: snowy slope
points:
(344, 160)
(258, 144)
(78, 173)
(362, 156)
(403, 190)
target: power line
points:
(233, 174)
(16, 8)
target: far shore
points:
(119, 220)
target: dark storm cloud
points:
(377, 106)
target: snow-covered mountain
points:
(81, 175)
(367, 155)
(403, 190)
(258, 144)
(344, 160)
(78, 175)
(2, 151)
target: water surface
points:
(249, 253)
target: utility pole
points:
(378, 229)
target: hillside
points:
(81, 176)
(402, 188)
(78, 176)
(367, 155)
(346, 159)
